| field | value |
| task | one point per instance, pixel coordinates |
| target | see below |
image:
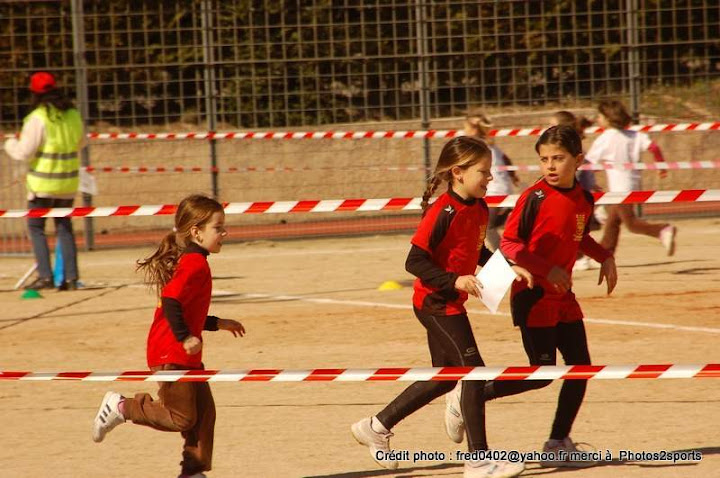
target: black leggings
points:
(452, 344)
(540, 345)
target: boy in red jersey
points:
(543, 234)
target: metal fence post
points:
(633, 69)
(81, 94)
(633, 59)
(210, 97)
(423, 73)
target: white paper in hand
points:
(496, 276)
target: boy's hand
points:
(523, 274)
(608, 271)
(233, 326)
(559, 279)
(468, 284)
(192, 345)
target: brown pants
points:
(623, 214)
(186, 407)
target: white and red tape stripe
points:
(411, 134)
(283, 169)
(568, 372)
(353, 205)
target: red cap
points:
(42, 82)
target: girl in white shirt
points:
(618, 146)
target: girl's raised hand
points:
(233, 326)
(608, 271)
(523, 274)
(468, 284)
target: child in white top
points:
(618, 145)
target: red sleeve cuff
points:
(590, 247)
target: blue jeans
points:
(65, 239)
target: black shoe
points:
(69, 285)
(40, 283)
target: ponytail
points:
(159, 267)
(433, 183)
(194, 210)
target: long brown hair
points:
(194, 210)
(463, 152)
(616, 113)
(54, 97)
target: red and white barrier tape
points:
(627, 166)
(570, 372)
(440, 134)
(261, 169)
(348, 205)
(197, 169)
(412, 134)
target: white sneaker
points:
(582, 264)
(567, 446)
(454, 423)
(492, 469)
(667, 238)
(378, 443)
(601, 214)
(108, 417)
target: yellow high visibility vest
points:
(55, 168)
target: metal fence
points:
(255, 64)
(246, 64)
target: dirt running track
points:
(302, 430)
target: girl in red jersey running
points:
(543, 234)
(179, 271)
(446, 250)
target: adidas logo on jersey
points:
(539, 193)
(449, 209)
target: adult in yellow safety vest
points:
(51, 137)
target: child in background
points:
(585, 177)
(446, 250)
(179, 271)
(543, 234)
(478, 125)
(619, 146)
(50, 141)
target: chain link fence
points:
(182, 65)
(282, 63)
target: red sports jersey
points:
(191, 285)
(546, 229)
(452, 232)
